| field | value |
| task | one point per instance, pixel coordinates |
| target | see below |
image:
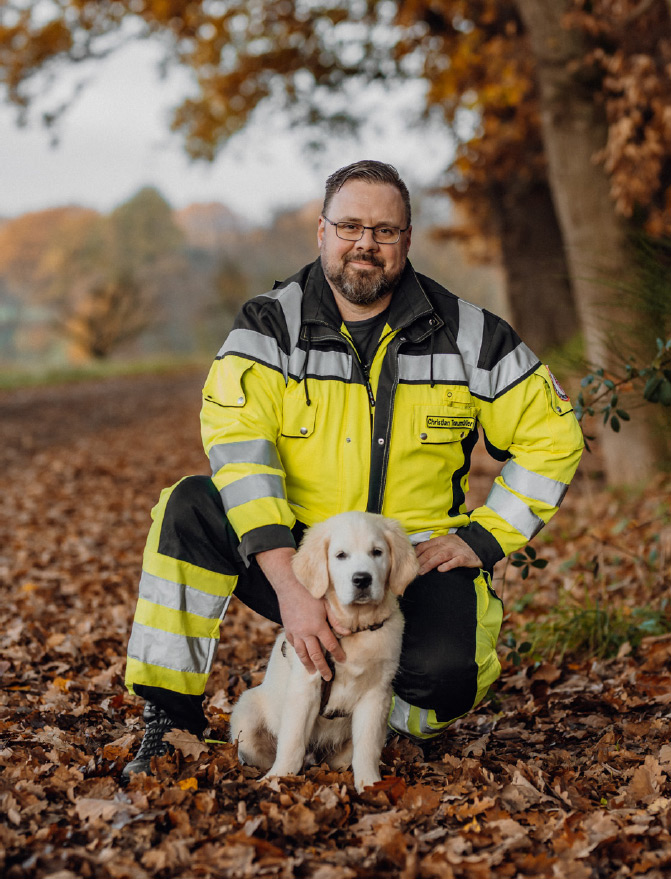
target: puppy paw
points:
(366, 781)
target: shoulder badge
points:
(559, 391)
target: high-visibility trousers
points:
(192, 567)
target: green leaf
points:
(540, 563)
(625, 416)
(615, 423)
(525, 572)
(609, 384)
(525, 647)
(665, 393)
(651, 389)
(585, 382)
(531, 552)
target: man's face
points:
(364, 271)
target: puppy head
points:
(404, 565)
(359, 554)
(310, 563)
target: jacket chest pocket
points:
(442, 423)
(298, 419)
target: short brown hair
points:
(372, 172)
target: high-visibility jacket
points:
(296, 427)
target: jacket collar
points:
(410, 310)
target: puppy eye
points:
(376, 551)
(341, 555)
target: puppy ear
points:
(310, 563)
(404, 564)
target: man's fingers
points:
(318, 660)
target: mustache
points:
(364, 257)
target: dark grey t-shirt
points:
(366, 334)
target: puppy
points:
(359, 563)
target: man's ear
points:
(310, 563)
(320, 231)
(404, 565)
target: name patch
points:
(450, 421)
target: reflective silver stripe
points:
(420, 537)
(290, 299)
(471, 331)
(330, 364)
(399, 718)
(507, 372)
(427, 728)
(534, 485)
(182, 597)
(417, 368)
(252, 488)
(178, 652)
(256, 346)
(515, 512)
(257, 451)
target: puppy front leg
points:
(299, 713)
(369, 722)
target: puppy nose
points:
(362, 579)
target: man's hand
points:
(305, 619)
(445, 553)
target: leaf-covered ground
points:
(565, 772)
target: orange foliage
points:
(473, 54)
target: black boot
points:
(157, 725)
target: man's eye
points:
(341, 555)
(349, 227)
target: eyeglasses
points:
(354, 232)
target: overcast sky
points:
(116, 139)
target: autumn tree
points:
(539, 92)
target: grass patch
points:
(592, 629)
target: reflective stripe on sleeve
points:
(256, 451)
(509, 370)
(178, 652)
(255, 346)
(252, 488)
(534, 485)
(514, 511)
(178, 596)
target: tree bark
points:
(538, 288)
(597, 251)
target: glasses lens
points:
(349, 231)
(386, 234)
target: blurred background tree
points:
(558, 109)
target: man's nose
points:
(367, 242)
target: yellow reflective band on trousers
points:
(421, 723)
(176, 626)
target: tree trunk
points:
(595, 239)
(539, 292)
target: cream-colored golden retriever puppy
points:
(359, 563)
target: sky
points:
(115, 139)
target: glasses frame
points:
(363, 230)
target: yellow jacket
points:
(296, 428)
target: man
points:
(357, 384)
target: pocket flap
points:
(298, 419)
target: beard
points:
(360, 286)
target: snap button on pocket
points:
(423, 436)
(304, 431)
(241, 400)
